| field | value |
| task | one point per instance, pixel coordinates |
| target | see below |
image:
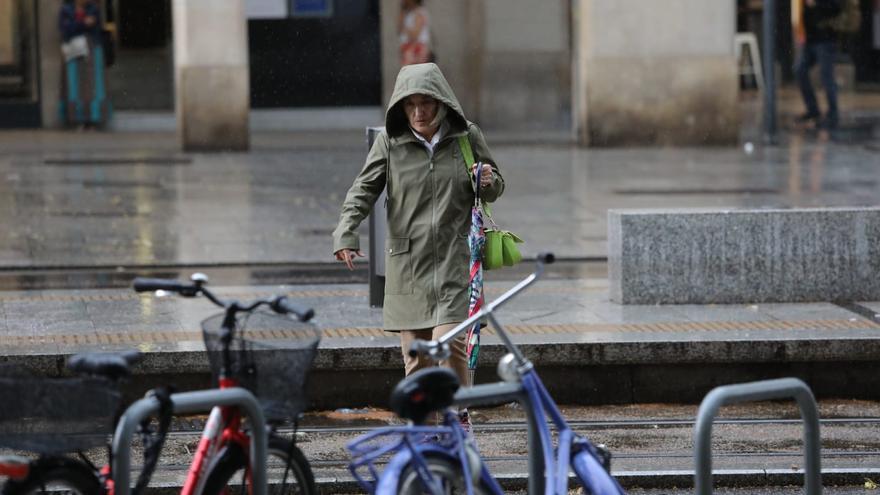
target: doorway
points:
(143, 75)
(19, 75)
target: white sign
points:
(265, 9)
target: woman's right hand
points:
(347, 256)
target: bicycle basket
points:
(55, 415)
(270, 355)
(377, 447)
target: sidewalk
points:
(104, 207)
(588, 349)
(130, 203)
(132, 200)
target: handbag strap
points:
(464, 143)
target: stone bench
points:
(705, 256)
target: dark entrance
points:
(864, 46)
(311, 61)
(143, 76)
(19, 77)
(317, 61)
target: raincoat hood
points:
(425, 79)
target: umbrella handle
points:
(477, 172)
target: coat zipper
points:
(434, 239)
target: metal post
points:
(769, 60)
(377, 224)
(189, 403)
(783, 388)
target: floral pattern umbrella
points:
(476, 241)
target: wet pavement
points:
(568, 327)
(132, 200)
(90, 210)
(85, 213)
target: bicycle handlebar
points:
(282, 305)
(545, 258)
(278, 304)
(154, 284)
(435, 349)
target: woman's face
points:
(420, 111)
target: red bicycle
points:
(271, 359)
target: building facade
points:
(610, 72)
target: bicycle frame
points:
(224, 423)
(226, 403)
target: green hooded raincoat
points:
(429, 201)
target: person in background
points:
(418, 160)
(414, 28)
(816, 39)
(84, 101)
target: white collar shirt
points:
(432, 144)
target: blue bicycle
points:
(444, 459)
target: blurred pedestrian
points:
(83, 88)
(414, 28)
(816, 38)
(418, 160)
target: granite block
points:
(706, 256)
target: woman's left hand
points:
(485, 176)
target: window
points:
(311, 8)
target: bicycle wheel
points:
(449, 471)
(287, 470)
(59, 476)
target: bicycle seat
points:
(424, 392)
(109, 365)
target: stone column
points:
(655, 72)
(50, 61)
(8, 34)
(211, 71)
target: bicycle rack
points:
(783, 388)
(189, 403)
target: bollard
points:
(376, 247)
(783, 388)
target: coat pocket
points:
(398, 266)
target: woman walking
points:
(83, 90)
(419, 161)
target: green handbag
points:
(501, 249)
(501, 245)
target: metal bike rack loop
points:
(783, 388)
(189, 403)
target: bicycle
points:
(275, 374)
(53, 417)
(443, 459)
(256, 365)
